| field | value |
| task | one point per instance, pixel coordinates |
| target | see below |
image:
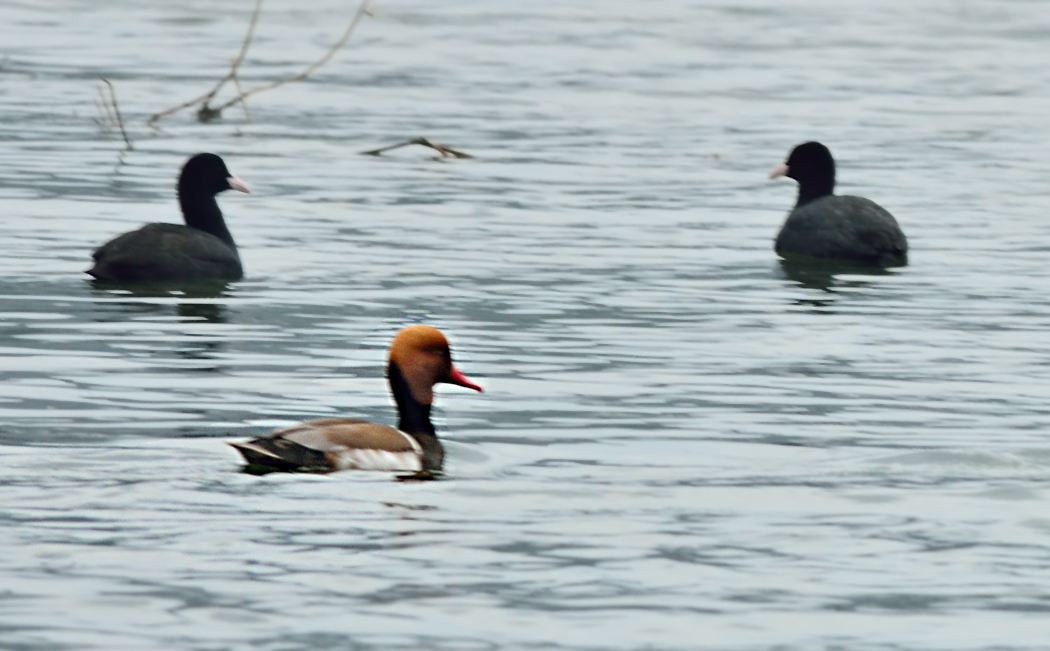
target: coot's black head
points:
(206, 175)
(813, 167)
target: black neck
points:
(203, 214)
(812, 192)
(413, 416)
(815, 183)
(414, 420)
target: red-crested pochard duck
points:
(202, 250)
(419, 359)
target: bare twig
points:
(105, 116)
(152, 121)
(205, 113)
(239, 59)
(244, 105)
(364, 10)
(115, 114)
(441, 149)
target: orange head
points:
(423, 356)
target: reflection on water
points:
(824, 275)
(192, 301)
(210, 312)
(680, 433)
(194, 289)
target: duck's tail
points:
(281, 454)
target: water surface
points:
(683, 442)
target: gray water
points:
(683, 443)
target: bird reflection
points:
(209, 312)
(823, 275)
(190, 302)
(814, 273)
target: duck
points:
(200, 250)
(419, 358)
(839, 227)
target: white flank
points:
(347, 457)
(371, 459)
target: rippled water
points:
(683, 444)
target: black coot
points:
(201, 250)
(823, 225)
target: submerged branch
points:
(244, 105)
(207, 112)
(364, 10)
(230, 76)
(441, 149)
(112, 111)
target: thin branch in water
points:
(239, 59)
(105, 117)
(114, 115)
(364, 10)
(441, 149)
(103, 105)
(152, 121)
(205, 113)
(244, 105)
(116, 110)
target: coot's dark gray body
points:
(202, 250)
(823, 225)
(844, 228)
(166, 252)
